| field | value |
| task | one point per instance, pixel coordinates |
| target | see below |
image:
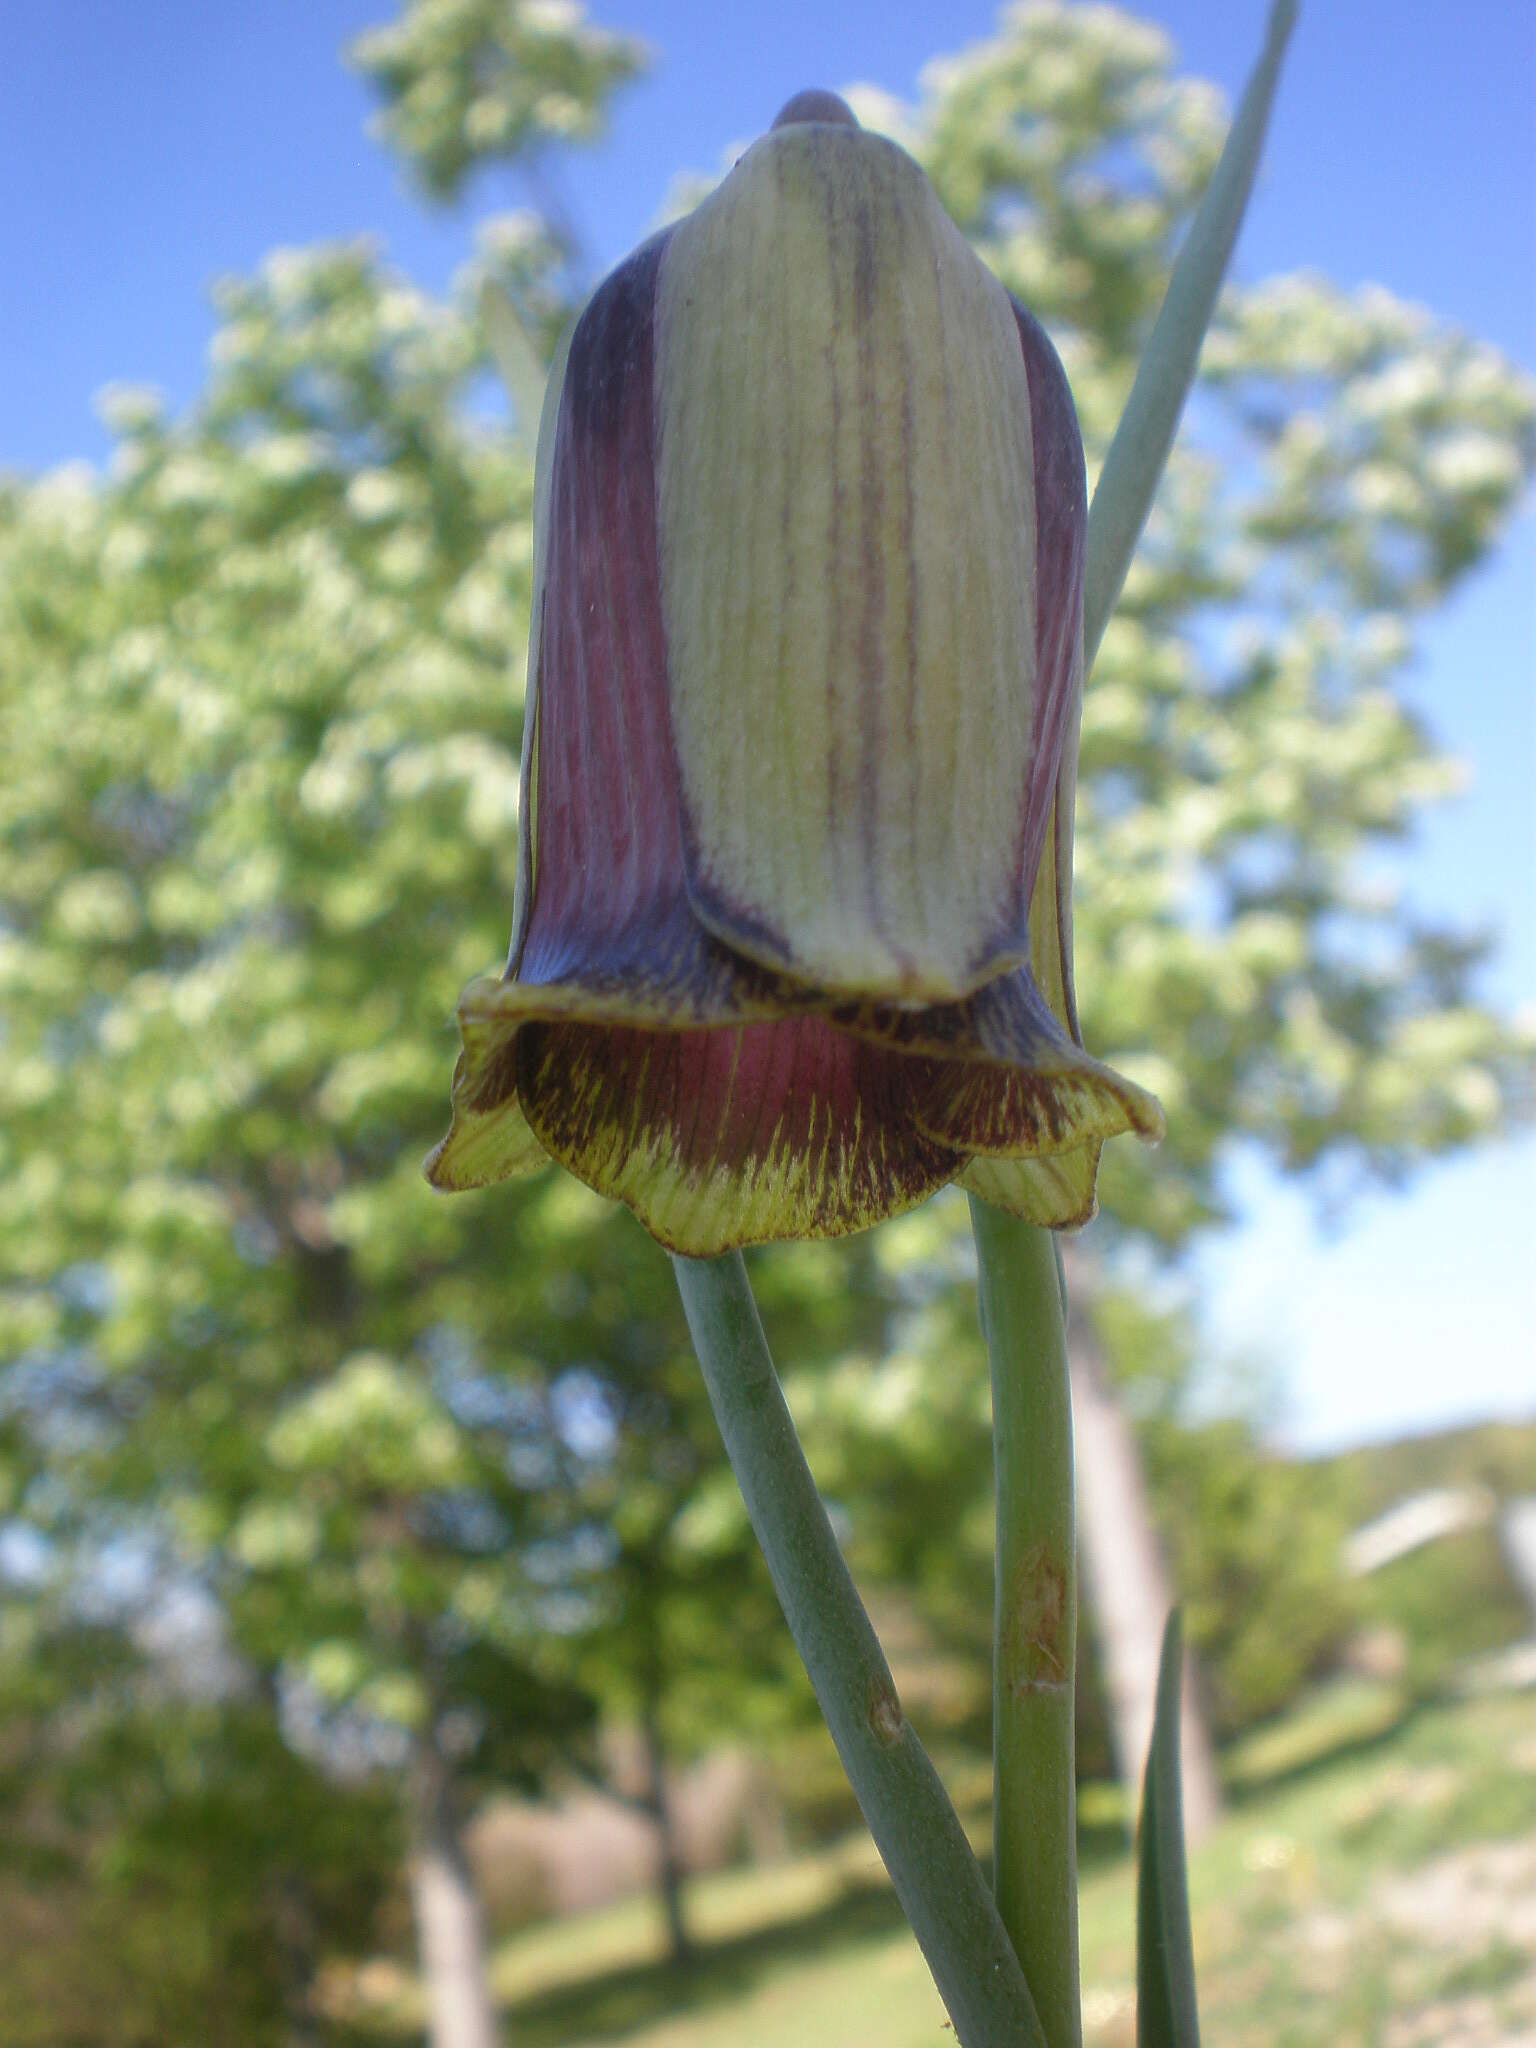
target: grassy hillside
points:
(1373, 1887)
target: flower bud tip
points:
(815, 105)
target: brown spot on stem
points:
(1037, 1623)
(885, 1715)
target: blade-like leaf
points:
(523, 372)
(1165, 1961)
(1139, 450)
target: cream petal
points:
(845, 483)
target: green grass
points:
(1373, 1883)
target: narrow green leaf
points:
(1165, 1958)
(523, 372)
(1145, 434)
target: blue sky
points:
(144, 149)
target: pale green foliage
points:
(265, 721)
(468, 82)
(261, 829)
(372, 1424)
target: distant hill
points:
(1457, 1598)
(1498, 1455)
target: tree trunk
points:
(669, 1869)
(293, 1925)
(1130, 1585)
(669, 1854)
(449, 1932)
(292, 1916)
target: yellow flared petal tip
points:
(489, 1138)
(482, 1149)
(1152, 1123)
(1058, 1190)
(1059, 1193)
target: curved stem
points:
(1035, 1614)
(940, 1885)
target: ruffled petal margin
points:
(727, 1106)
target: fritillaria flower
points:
(792, 932)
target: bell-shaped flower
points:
(792, 933)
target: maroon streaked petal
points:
(607, 885)
(1006, 1023)
(998, 1074)
(1061, 533)
(730, 1137)
(670, 975)
(992, 1111)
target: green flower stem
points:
(1167, 369)
(1034, 1658)
(940, 1885)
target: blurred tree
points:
(262, 826)
(170, 1867)
(466, 83)
(1267, 1614)
(219, 664)
(271, 595)
(446, 1466)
